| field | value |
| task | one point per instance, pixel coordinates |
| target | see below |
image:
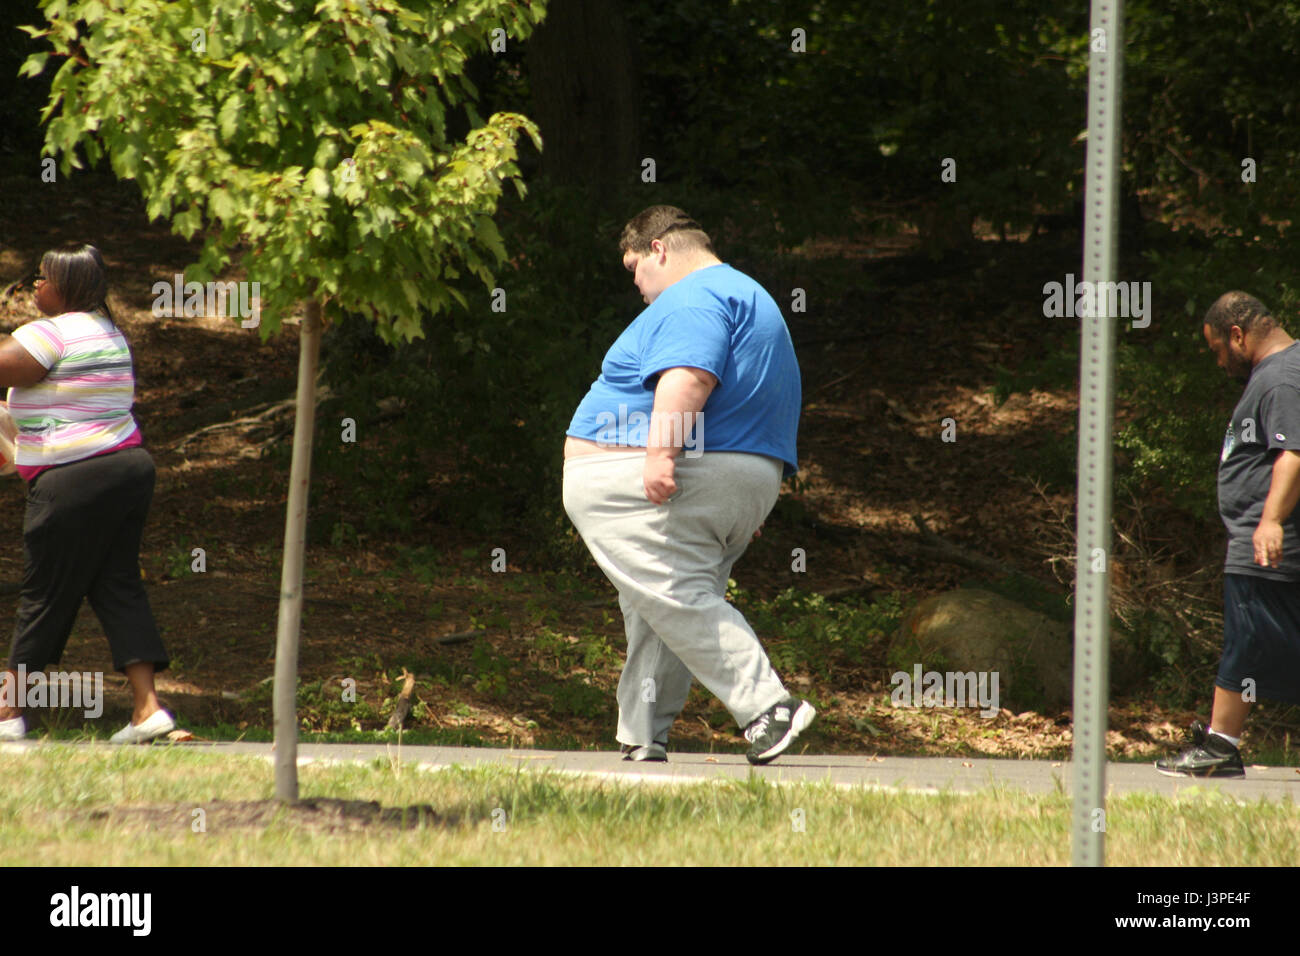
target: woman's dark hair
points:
(78, 274)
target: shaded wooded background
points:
(833, 154)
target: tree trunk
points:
(583, 83)
(945, 227)
(295, 539)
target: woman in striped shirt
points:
(89, 486)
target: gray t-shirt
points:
(1265, 421)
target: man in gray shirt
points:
(1259, 485)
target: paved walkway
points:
(915, 774)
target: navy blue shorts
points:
(1261, 637)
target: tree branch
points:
(941, 549)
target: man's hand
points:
(1268, 543)
(680, 394)
(660, 485)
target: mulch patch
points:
(317, 814)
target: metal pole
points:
(295, 537)
(1096, 417)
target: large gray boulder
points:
(973, 630)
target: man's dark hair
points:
(77, 272)
(1239, 309)
(677, 230)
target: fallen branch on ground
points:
(934, 546)
(258, 419)
(460, 637)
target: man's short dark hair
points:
(1239, 309)
(677, 230)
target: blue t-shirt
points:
(719, 320)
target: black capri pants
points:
(81, 539)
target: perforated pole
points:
(1096, 417)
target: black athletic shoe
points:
(1207, 755)
(653, 752)
(776, 729)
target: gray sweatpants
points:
(670, 564)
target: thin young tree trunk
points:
(295, 535)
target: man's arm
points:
(1283, 493)
(680, 394)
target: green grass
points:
(511, 817)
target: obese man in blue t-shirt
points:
(672, 462)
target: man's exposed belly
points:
(573, 447)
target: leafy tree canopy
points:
(313, 140)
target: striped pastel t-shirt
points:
(82, 407)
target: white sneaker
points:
(13, 729)
(155, 725)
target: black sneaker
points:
(776, 729)
(1207, 755)
(654, 752)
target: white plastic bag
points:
(8, 434)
